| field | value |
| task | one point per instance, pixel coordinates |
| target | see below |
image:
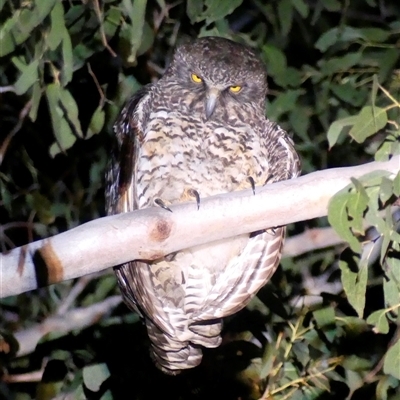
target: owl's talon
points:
(272, 231)
(195, 193)
(269, 177)
(161, 204)
(252, 183)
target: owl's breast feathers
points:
(161, 154)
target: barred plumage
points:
(200, 127)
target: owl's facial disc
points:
(211, 100)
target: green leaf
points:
(28, 77)
(96, 123)
(70, 111)
(194, 10)
(299, 120)
(42, 205)
(357, 204)
(334, 35)
(285, 15)
(339, 219)
(61, 128)
(379, 320)
(385, 190)
(324, 317)
(136, 12)
(7, 42)
(147, 39)
(391, 285)
(338, 64)
(375, 35)
(301, 7)
(349, 34)
(385, 383)
(275, 60)
(374, 90)
(57, 29)
(337, 127)
(332, 5)
(112, 21)
(95, 375)
(268, 359)
(36, 96)
(354, 280)
(217, 10)
(369, 121)
(356, 363)
(391, 363)
(396, 184)
(348, 92)
(19, 27)
(284, 102)
(68, 58)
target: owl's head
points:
(220, 72)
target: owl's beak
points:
(211, 101)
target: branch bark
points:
(151, 233)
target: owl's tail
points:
(172, 355)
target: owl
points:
(199, 131)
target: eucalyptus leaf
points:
(396, 184)
(68, 59)
(339, 218)
(96, 123)
(354, 280)
(379, 320)
(36, 96)
(57, 29)
(95, 375)
(285, 15)
(301, 7)
(65, 138)
(28, 77)
(357, 205)
(194, 10)
(391, 364)
(136, 12)
(324, 316)
(216, 10)
(391, 285)
(369, 121)
(337, 128)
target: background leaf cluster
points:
(66, 68)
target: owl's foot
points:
(160, 203)
(194, 193)
(252, 183)
(272, 231)
(269, 179)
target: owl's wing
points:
(243, 276)
(121, 196)
(121, 173)
(255, 265)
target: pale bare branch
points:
(78, 318)
(151, 233)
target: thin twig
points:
(96, 82)
(370, 377)
(9, 88)
(22, 115)
(102, 33)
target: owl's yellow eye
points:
(196, 78)
(235, 89)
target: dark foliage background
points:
(67, 67)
